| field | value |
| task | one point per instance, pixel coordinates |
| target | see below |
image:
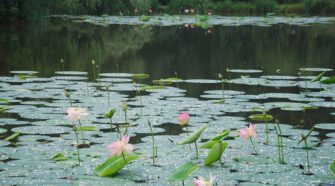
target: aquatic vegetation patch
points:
(35, 133)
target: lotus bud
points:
(67, 93)
(124, 106)
(220, 76)
(110, 114)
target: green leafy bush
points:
(266, 5)
(319, 6)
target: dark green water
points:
(160, 51)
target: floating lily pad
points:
(280, 77)
(71, 73)
(115, 80)
(325, 126)
(316, 69)
(116, 75)
(245, 71)
(24, 72)
(202, 81)
(2, 131)
(42, 130)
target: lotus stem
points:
(126, 123)
(82, 132)
(77, 146)
(278, 143)
(153, 143)
(281, 143)
(188, 135)
(196, 150)
(124, 159)
(139, 91)
(222, 88)
(94, 73)
(176, 75)
(307, 156)
(108, 96)
(87, 85)
(117, 128)
(267, 131)
(252, 143)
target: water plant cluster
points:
(124, 128)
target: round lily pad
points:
(115, 80)
(24, 72)
(279, 77)
(315, 69)
(2, 130)
(325, 126)
(116, 75)
(205, 81)
(71, 73)
(42, 130)
(245, 71)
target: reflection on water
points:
(160, 51)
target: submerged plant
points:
(200, 181)
(280, 144)
(73, 115)
(249, 133)
(304, 139)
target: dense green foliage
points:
(13, 10)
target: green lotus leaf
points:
(113, 164)
(183, 171)
(194, 136)
(215, 153)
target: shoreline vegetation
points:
(34, 10)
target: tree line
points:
(23, 10)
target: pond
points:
(225, 72)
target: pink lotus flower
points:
(200, 181)
(120, 146)
(248, 132)
(186, 11)
(192, 11)
(183, 118)
(76, 113)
